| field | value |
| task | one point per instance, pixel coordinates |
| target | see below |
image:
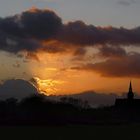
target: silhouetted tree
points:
(37, 109)
(76, 102)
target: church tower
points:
(130, 94)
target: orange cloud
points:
(125, 66)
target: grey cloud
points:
(81, 34)
(127, 66)
(109, 51)
(126, 2)
(26, 31)
(16, 89)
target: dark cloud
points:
(40, 24)
(54, 46)
(43, 30)
(109, 51)
(16, 89)
(24, 31)
(126, 66)
(31, 55)
(81, 34)
(29, 30)
(80, 51)
(15, 44)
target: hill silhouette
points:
(93, 98)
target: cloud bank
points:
(43, 30)
(127, 66)
(17, 88)
(27, 30)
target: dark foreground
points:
(100, 132)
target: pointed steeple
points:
(130, 87)
(130, 94)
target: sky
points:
(71, 46)
(97, 12)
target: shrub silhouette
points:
(38, 110)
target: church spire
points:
(130, 87)
(130, 94)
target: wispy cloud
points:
(126, 66)
(126, 2)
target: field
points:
(118, 132)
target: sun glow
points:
(47, 86)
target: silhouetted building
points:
(129, 101)
(130, 95)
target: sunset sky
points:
(71, 46)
